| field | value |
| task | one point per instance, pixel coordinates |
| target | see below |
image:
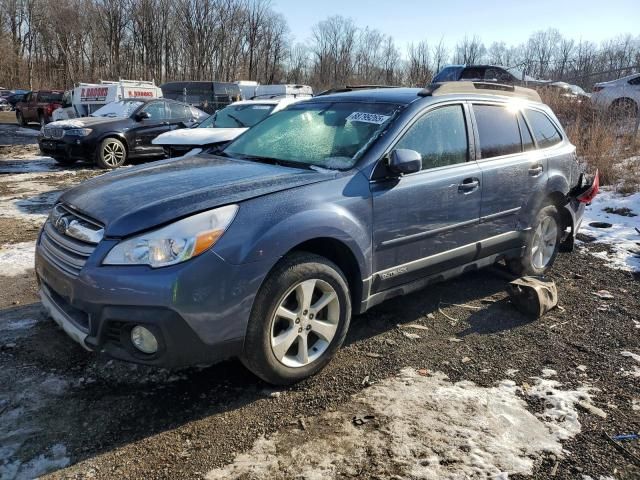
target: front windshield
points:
(329, 135)
(241, 115)
(121, 108)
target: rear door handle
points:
(468, 185)
(535, 171)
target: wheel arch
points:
(341, 254)
(117, 136)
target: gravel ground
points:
(64, 407)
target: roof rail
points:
(351, 88)
(487, 88)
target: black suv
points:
(116, 132)
(484, 73)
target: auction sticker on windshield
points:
(367, 117)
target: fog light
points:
(144, 340)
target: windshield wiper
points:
(272, 161)
(237, 120)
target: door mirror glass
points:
(403, 161)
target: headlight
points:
(78, 132)
(174, 243)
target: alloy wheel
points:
(304, 323)
(113, 154)
(544, 242)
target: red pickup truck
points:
(38, 106)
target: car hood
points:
(135, 199)
(198, 136)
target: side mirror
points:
(403, 161)
(143, 116)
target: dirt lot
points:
(536, 399)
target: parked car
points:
(221, 127)
(16, 97)
(569, 91)
(207, 96)
(117, 132)
(485, 73)
(318, 212)
(4, 93)
(619, 97)
(38, 106)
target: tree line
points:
(57, 43)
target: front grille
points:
(69, 254)
(53, 132)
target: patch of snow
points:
(549, 372)
(21, 324)
(33, 164)
(636, 369)
(622, 236)
(16, 258)
(68, 124)
(511, 372)
(560, 412)
(430, 427)
(36, 466)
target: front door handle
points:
(535, 171)
(468, 185)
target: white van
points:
(252, 90)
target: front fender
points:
(271, 226)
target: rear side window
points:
(634, 81)
(498, 130)
(440, 137)
(545, 132)
(177, 111)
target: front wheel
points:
(299, 319)
(111, 154)
(542, 244)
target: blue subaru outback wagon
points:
(266, 249)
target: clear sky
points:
(493, 20)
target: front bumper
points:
(198, 310)
(76, 148)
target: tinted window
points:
(493, 74)
(50, 96)
(527, 141)
(634, 81)
(156, 110)
(177, 110)
(448, 74)
(498, 130)
(544, 131)
(473, 73)
(440, 137)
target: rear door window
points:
(498, 130)
(544, 131)
(440, 137)
(525, 134)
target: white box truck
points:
(253, 90)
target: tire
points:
(20, 119)
(65, 160)
(623, 108)
(286, 361)
(111, 154)
(543, 244)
